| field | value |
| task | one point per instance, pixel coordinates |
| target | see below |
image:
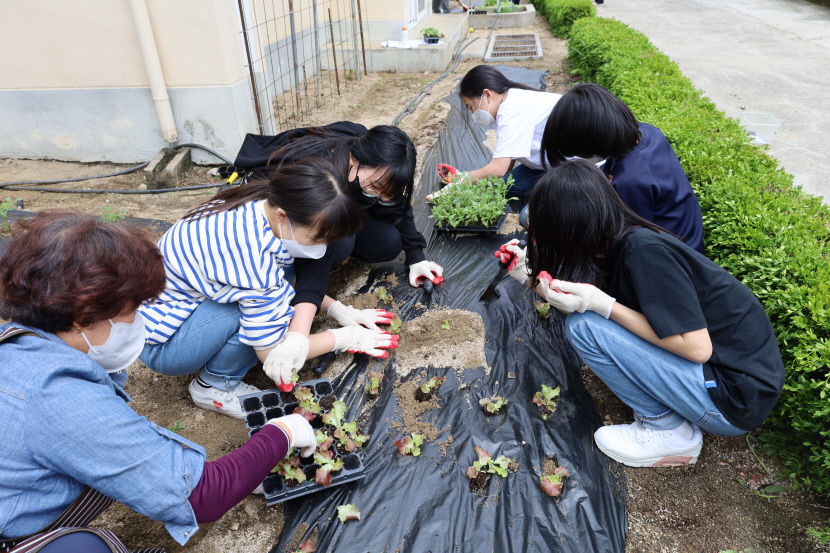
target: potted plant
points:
(466, 205)
(431, 35)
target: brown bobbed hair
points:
(65, 267)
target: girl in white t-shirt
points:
(519, 113)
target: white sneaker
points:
(637, 446)
(221, 401)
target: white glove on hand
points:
(356, 339)
(429, 270)
(447, 187)
(287, 357)
(346, 315)
(517, 267)
(299, 431)
(574, 296)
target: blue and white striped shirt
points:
(229, 256)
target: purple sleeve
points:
(227, 480)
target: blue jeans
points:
(524, 179)
(208, 341)
(661, 387)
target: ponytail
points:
(486, 76)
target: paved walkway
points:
(755, 59)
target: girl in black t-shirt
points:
(684, 344)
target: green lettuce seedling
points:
(348, 512)
(335, 416)
(348, 437)
(328, 466)
(395, 326)
(543, 309)
(375, 378)
(324, 441)
(308, 407)
(410, 445)
(552, 483)
(432, 384)
(485, 463)
(492, 405)
(445, 325)
(384, 296)
(546, 399)
(289, 468)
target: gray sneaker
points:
(221, 401)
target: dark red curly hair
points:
(69, 267)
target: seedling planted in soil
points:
(348, 512)
(410, 445)
(375, 378)
(306, 547)
(479, 473)
(492, 405)
(552, 483)
(543, 309)
(384, 296)
(395, 326)
(445, 325)
(546, 399)
(424, 392)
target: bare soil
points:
(709, 507)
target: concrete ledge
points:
(426, 57)
(523, 15)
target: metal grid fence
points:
(301, 52)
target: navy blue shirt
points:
(652, 183)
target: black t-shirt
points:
(680, 290)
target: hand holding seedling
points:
(425, 270)
(447, 173)
(574, 296)
(356, 339)
(285, 359)
(513, 256)
(346, 315)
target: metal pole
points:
(317, 69)
(354, 42)
(250, 67)
(334, 54)
(362, 44)
(294, 52)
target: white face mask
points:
(596, 160)
(295, 249)
(123, 346)
(482, 117)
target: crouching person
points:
(71, 285)
(672, 334)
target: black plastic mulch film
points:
(424, 504)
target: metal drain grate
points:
(515, 47)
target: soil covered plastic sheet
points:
(421, 504)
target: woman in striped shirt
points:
(227, 299)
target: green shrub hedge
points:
(561, 14)
(771, 235)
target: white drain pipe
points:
(153, 64)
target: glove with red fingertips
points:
(356, 339)
(447, 173)
(425, 269)
(285, 359)
(574, 296)
(514, 256)
(346, 315)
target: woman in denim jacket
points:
(71, 285)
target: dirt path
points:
(710, 507)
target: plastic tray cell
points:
(269, 404)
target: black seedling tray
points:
(268, 404)
(476, 228)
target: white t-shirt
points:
(520, 125)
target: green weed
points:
(110, 215)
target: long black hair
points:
(486, 76)
(383, 147)
(312, 192)
(589, 121)
(576, 223)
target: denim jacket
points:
(65, 424)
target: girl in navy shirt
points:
(590, 122)
(675, 336)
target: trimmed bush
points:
(562, 14)
(769, 234)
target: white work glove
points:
(299, 431)
(516, 258)
(429, 270)
(287, 357)
(356, 339)
(346, 315)
(574, 296)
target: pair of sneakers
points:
(216, 399)
(637, 446)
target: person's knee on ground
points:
(378, 243)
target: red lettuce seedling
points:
(424, 392)
(328, 466)
(543, 309)
(492, 405)
(375, 378)
(348, 437)
(546, 399)
(552, 483)
(324, 441)
(485, 463)
(307, 547)
(348, 512)
(289, 468)
(410, 445)
(308, 407)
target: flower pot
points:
(431, 39)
